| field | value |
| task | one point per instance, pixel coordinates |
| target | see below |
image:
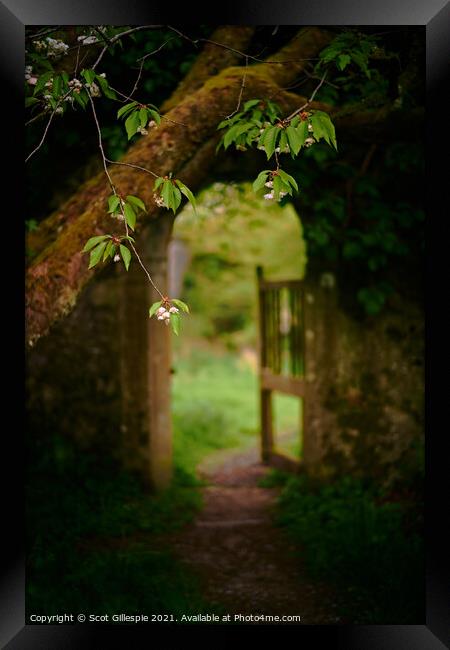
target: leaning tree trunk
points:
(60, 271)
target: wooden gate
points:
(281, 357)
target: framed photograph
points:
(226, 423)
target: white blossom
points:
(93, 89)
(158, 200)
(174, 310)
(310, 128)
(269, 184)
(117, 257)
(87, 40)
(142, 131)
(309, 142)
(268, 196)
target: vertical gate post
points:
(265, 395)
(145, 363)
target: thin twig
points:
(241, 91)
(115, 38)
(105, 159)
(232, 49)
(43, 33)
(314, 93)
(47, 127)
(142, 169)
(146, 272)
(100, 143)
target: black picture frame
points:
(434, 16)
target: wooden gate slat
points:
(281, 355)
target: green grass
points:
(215, 406)
(350, 536)
(90, 531)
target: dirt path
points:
(245, 563)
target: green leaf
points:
(175, 322)
(283, 143)
(302, 131)
(126, 109)
(153, 309)
(176, 197)
(342, 61)
(289, 180)
(251, 103)
(130, 215)
(106, 90)
(323, 128)
(294, 140)
(96, 254)
(88, 75)
(277, 187)
(134, 200)
(235, 131)
(132, 124)
(143, 116)
(107, 252)
(158, 182)
(81, 98)
(167, 194)
(42, 81)
(113, 202)
(93, 241)
(179, 303)
(156, 116)
(126, 255)
(187, 193)
(270, 141)
(29, 101)
(57, 86)
(260, 180)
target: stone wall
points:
(365, 384)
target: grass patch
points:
(351, 537)
(90, 527)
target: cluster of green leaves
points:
(128, 208)
(243, 128)
(175, 320)
(171, 190)
(349, 47)
(281, 182)
(137, 116)
(260, 124)
(103, 247)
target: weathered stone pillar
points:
(320, 360)
(145, 362)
